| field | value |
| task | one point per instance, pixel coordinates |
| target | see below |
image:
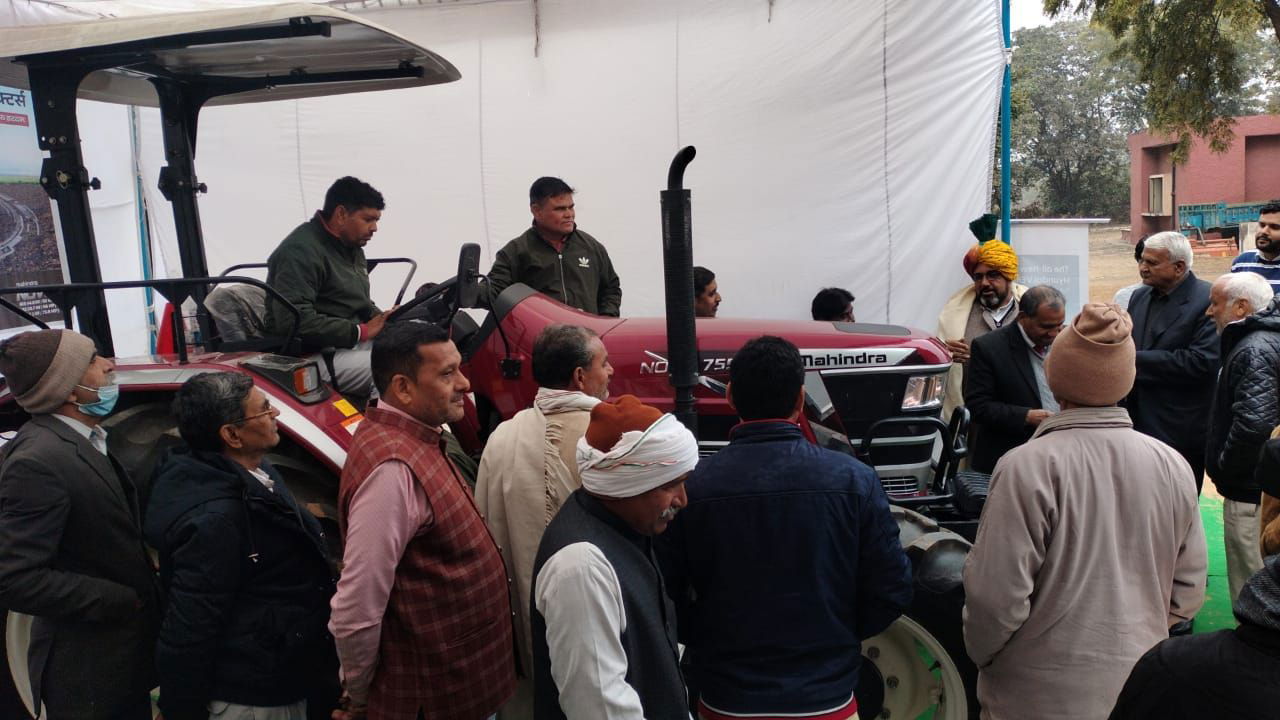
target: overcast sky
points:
(1026, 13)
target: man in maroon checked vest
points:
(421, 618)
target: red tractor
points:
(871, 390)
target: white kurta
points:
(580, 599)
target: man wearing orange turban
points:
(988, 303)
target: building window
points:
(1159, 195)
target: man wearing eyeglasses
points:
(1006, 389)
(989, 303)
(245, 568)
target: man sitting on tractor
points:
(320, 268)
(557, 259)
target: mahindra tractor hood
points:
(241, 55)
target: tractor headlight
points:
(924, 392)
(306, 379)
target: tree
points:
(1078, 103)
(1189, 56)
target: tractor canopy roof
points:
(245, 54)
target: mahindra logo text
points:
(816, 361)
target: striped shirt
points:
(1251, 261)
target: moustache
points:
(669, 514)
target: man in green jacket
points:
(320, 268)
(557, 259)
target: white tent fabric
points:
(840, 142)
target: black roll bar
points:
(175, 290)
(370, 264)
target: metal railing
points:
(66, 296)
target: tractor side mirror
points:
(468, 277)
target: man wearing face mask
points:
(529, 467)
(71, 548)
(988, 304)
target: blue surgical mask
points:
(107, 396)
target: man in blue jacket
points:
(785, 559)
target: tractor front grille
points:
(900, 487)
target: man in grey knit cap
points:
(71, 550)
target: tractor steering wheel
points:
(419, 309)
(461, 290)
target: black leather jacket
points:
(1246, 403)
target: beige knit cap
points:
(42, 367)
(1091, 362)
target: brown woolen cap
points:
(610, 420)
(42, 367)
(1091, 362)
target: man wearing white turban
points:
(604, 635)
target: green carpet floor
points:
(1216, 613)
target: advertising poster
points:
(29, 253)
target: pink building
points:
(1248, 172)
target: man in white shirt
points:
(604, 630)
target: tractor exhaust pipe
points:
(677, 263)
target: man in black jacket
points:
(1177, 349)
(1223, 674)
(1005, 386)
(246, 569)
(1246, 409)
(71, 551)
(554, 257)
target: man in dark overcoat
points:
(71, 549)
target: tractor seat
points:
(239, 315)
(239, 311)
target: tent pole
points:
(1006, 179)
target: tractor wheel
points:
(15, 686)
(919, 664)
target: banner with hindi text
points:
(29, 251)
